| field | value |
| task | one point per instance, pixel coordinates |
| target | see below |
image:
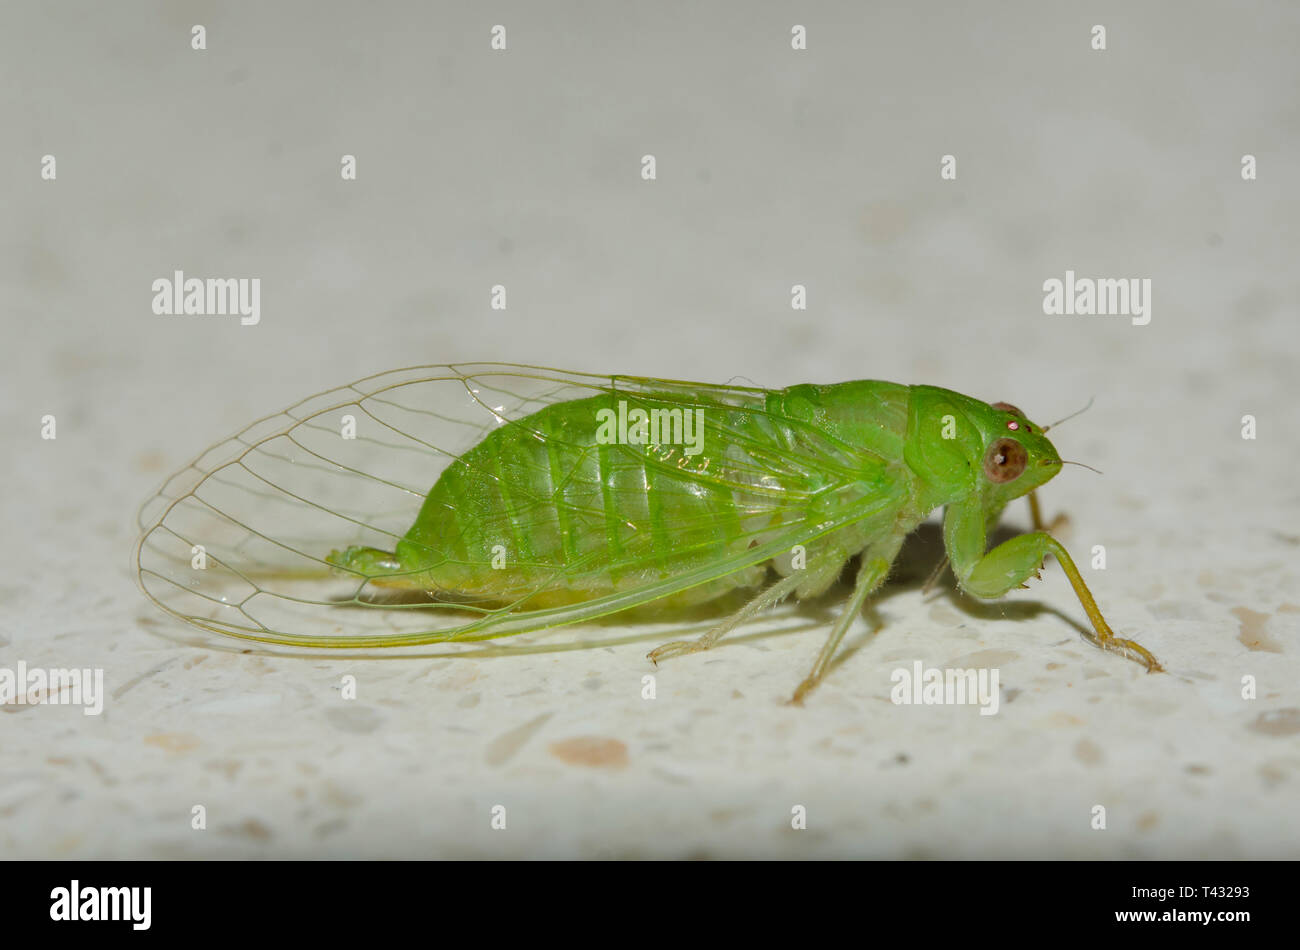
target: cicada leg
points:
(769, 596)
(871, 575)
(1036, 515)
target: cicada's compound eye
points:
(1005, 460)
(1007, 407)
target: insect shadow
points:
(918, 560)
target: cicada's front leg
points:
(993, 573)
(1035, 517)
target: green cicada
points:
(560, 497)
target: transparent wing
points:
(237, 542)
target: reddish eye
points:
(1005, 460)
(1013, 425)
(1007, 407)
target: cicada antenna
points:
(1071, 416)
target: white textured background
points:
(775, 167)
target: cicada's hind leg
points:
(379, 569)
(770, 596)
(805, 583)
(368, 562)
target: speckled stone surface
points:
(775, 167)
